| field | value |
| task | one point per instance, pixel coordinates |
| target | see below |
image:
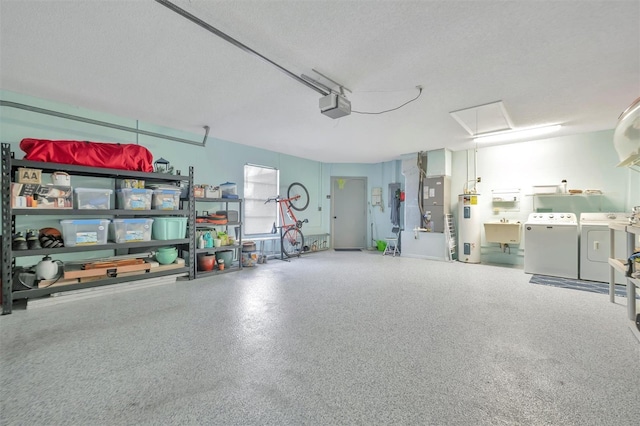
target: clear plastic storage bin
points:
(131, 230)
(93, 198)
(84, 232)
(134, 199)
(229, 190)
(169, 228)
(166, 199)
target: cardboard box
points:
(199, 191)
(43, 196)
(51, 196)
(23, 195)
(24, 175)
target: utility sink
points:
(503, 232)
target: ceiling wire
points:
(392, 109)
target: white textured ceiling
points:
(570, 62)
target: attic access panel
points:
(491, 117)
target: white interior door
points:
(348, 212)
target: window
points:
(260, 183)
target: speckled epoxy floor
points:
(330, 339)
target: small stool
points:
(392, 246)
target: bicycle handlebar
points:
(279, 200)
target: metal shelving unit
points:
(108, 246)
(9, 165)
(77, 212)
(237, 247)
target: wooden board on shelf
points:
(56, 283)
(178, 263)
(79, 275)
(111, 263)
(77, 271)
(120, 274)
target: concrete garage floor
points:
(334, 338)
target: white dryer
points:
(595, 245)
(551, 245)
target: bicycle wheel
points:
(298, 189)
(292, 242)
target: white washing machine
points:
(595, 245)
(551, 245)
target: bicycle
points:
(292, 239)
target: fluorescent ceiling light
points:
(517, 134)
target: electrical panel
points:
(376, 196)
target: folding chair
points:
(392, 242)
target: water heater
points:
(468, 228)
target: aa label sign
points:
(29, 175)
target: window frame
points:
(265, 212)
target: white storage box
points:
(131, 230)
(229, 190)
(134, 199)
(84, 232)
(166, 199)
(93, 198)
(212, 191)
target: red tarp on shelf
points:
(91, 154)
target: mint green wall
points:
(219, 161)
(586, 161)
(378, 175)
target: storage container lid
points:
(84, 221)
(162, 186)
(166, 190)
(227, 184)
(136, 190)
(101, 190)
(132, 220)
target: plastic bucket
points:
(381, 245)
(226, 255)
